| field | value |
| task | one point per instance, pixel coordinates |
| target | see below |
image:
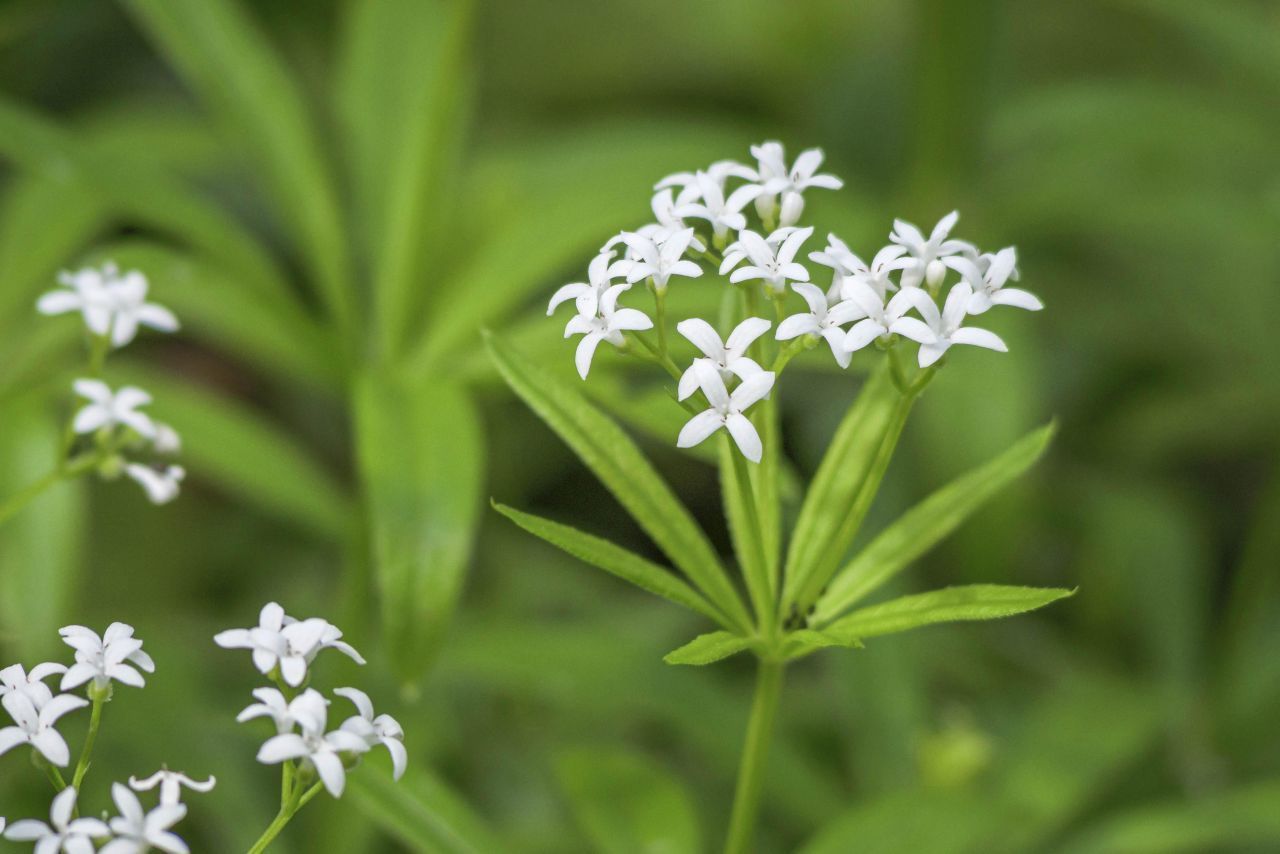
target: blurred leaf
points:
(615, 560)
(626, 804)
(745, 528)
(913, 820)
(970, 602)
(422, 812)
(223, 56)
(708, 648)
(420, 451)
(801, 643)
(624, 471)
(924, 525)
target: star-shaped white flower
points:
(137, 831)
(727, 411)
(107, 409)
(381, 729)
(821, 320)
(282, 641)
(720, 171)
(321, 751)
(988, 276)
(161, 485)
(600, 275)
(729, 357)
(790, 183)
(286, 714)
(936, 332)
(602, 320)
(84, 291)
(927, 254)
(660, 259)
(847, 265)
(171, 784)
(735, 253)
(722, 213)
(37, 726)
(63, 833)
(877, 318)
(774, 267)
(15, 679)
(131, 309)
(101, 660)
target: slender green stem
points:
(99, 346)
(95, 721)
(290, 804)
(273, 830)
(55, 777)
(660, 315)
(746, 801)
(660, 357)
(756, 565)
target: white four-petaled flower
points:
(101, 660)
(171, 784)
(877, 318)
(601, 320)
(988, 276)
(727, 410)
(729, 357)
(821, 320)
(791, 183)
(774, 266)
(723, 213)
(63, 833)
(161, 485)
(110, 303)
(927, 254)
(600, 274)
(137, 830)
(936, 332)
(282, 641)
(37, 726)
(14, 679)
(314, 747)
(286, 714)
(376, 729)
(107, 409)
(660, 259)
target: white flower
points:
(102, 659)
(63, 833)
(131, 309)
(161, 485)
(735, 253)
(84, 291)
(166, 441)
(719, 172)
(988, 276)
(315, 748)
(847, 265)
(600, 274)
(137, 831)
(107, 409)
(280, 640)
(723, 213)
(663, 204)
(727, 410)
(301, 711)
(937, 332)
(789, 183)
(775, 267)
(927, 254)
(36, 726)
(821, 320)
(171, 784)
(602, 320)
(15, 679)
(728, 357)
(383, 729)
(877, 319)
(660, 259)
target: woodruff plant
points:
(802, 590)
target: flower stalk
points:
(755, 753)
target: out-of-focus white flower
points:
(821, 320)
(137, 831)
(15, 679)
(877, 318)
(720, 171)
(791, 183)
(660, 260)
(774, 267)
(36, 726)
(602, 320)
(108, 409)
(131, 309)
(988, 276)
(927, 254)
(280, 640)
(84, 291)
(712, 205)
(102, 659)
(161, 485)
(63, 833)
(286, 714)
(171, 784)
(322, 751)
(735, 253)
(166, 441)
(727, 411)
(728, 357)
(600, 274)
(936, 332)
(382, 729)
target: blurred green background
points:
(252, 159)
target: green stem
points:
(660, 314)
(95, 720)
(746, 801)
(99, 346)
(289, 807)
(755, 565)
(660, 357)
(55, 777)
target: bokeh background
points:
(1127, 147)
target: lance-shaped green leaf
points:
(708, 648)
(422, 812)
(614, 458)
(924, 525)
(805, 641)
(740, 510)
(226, 60)
(842, 488)
(420, 453)
(615, 560)
(951, 604)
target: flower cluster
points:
(100, 661)
(704, 216)
(283, 649)
(115, 435)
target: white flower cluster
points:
(864, 303)
(99, 661)
(283, 649)
(113, 305)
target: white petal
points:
(712, 384)
(796, 325)
(863, 333)
(703, 336)
(930, 353)
(59, 302)
(282, 747)
(698, 428)
(916, 330)
(979, 338)
(399, 756)
(835, 340)
(688, 383)
(157, 317)
(566, 293)
(54, 747)
(359, 698)
(585, 351)
(744, 334)
(752, 389)
(813, 296)
(331, 772)
(745, 436)
(1017, 298)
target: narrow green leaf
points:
(708, 649)
(627, 804)
(230, 65)
(739, 498)
(805, 641)
(420, 452)
(970, 602)
(842, 488)
(924, 525)
(422, 812)
(615, 459)
(615, 560)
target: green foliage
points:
(708, 649)
(971, 602)
(423, 813)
